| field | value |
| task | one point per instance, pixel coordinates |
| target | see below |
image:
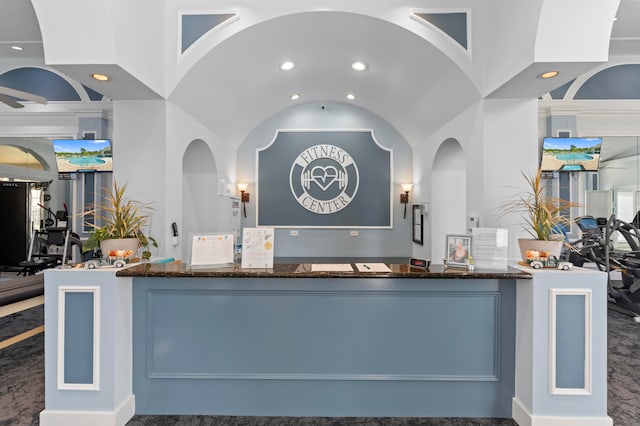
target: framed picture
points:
(458, 249)
(417, 224)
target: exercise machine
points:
(597, 246)
(51, 246)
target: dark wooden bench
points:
(19, 294)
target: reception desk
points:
(294, 341)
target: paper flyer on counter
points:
(212, 249)
(257, 248)
(490, 247)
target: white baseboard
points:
(524, 418)
(119, 417)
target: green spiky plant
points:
(119, 217)
(542, 213)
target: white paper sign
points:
(331, 267)
(212, 249)
(490, 247)
(257, 248)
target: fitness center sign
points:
(323, 173)
(334, 179)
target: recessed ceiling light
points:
(549, 74)
(286, 66)
(99, 77)
(295, 97)
(16, 48)
(359, 66)
(351, 96)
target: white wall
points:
(499, 140)
(142, 40)
(510, 147)
(181, 130)
(436, 193)
(512, 25)
(139, 152)
(149, 143)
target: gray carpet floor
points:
(22, 385)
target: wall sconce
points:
(244, 196)
(404, 198)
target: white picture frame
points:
(458, 249)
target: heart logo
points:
(324, 176)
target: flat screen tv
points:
(83, 155)
(570, 154)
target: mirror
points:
(619, 163)
(619, 182)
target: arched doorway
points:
(199, 194)
(449, 196)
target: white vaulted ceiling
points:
(405, 80)
(418, 77)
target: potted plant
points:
(543, 218)
(119, 223)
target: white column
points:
(553, 309)
(94, 328)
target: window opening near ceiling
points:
(18, 157)
(454, 24)
(194, 25)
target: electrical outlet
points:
(353, 233)
(293, 233)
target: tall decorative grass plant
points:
(543, 216)
(542, 213)
(120, 217)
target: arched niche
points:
(20, 157)
(27, 158)
(449, 195)
(199, 195)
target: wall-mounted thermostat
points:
(472, 222)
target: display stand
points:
(490, 247)
(257, 248)
(210, 250)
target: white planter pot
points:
(552, 248)
(126, 245)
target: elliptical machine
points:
(596, 246)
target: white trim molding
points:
(124, 412)
(95, 382)
(588, 345)
(524, 418)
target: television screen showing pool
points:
(83, 155)
(570, 154)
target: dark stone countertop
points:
(303, 269)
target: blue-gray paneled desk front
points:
(289, 341)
